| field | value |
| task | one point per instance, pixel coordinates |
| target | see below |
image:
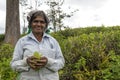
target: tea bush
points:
(2, 36)
(79, 31)
(6, 72)
(93, 56)
(91, 53)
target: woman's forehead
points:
(39, 18)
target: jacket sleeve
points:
(57, 63)
(19, 63)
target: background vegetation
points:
(91, 53)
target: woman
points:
(24, 61)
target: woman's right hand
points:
(32, 62)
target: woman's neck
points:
(38, 36)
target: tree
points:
(12, 30)
(57, 15)
(23, 5)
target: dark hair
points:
(39, 13)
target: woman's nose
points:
(39, 23)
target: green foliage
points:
(6, 72)
(2, 36)
(90, 54)
(79, 31)
(5, 51)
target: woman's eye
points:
(35, 21)
(42, 21)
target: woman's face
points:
(38, 25)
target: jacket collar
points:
(31, 35)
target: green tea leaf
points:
(37, 54)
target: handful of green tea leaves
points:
(37, 54)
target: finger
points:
(32, 66)
(32, 61)
(40, 64)
(32, 57)
(41, 61)
(43, 57)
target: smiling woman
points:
(37, 41)
(38, 23)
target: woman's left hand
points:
(41, 62)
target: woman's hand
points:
(42, 62)
(32, 62)
(36, 63)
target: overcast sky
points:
(91, 13)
